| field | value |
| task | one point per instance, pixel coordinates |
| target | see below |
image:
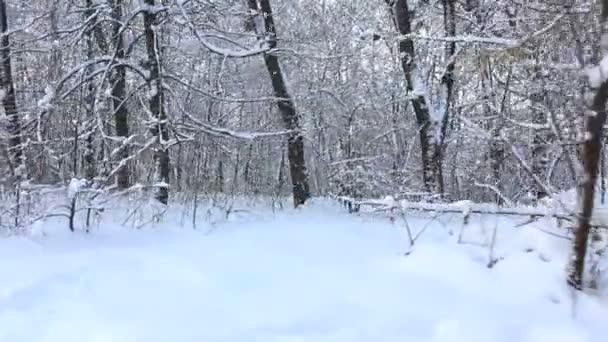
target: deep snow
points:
(315, 274)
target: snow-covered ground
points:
(315, 274)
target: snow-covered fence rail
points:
(401, 208)
(464, 207)
(560, 213)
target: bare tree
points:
(89, 98)
(430, 172)
(158, 126)
(447, 89)
(118, 93)
(287, 107)
(9, 100)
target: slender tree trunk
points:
(55, 67)
(496, 145)
(591, 154)
(9, 100)
(539, 139)
(248, 165)
(89, 153)
(118, 92)
(402, 20)
(158, 128)
(447, 86)
(539, 154)
(220, 176)
(287, 108)
(602, 174)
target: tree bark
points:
(497, 152)
(591, 154)
(118, 92)
(447, 85)
(9, 100)
(89, 153)
(539, 139)
(158, 127)
(287, 108)
(402, 18)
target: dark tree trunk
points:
(248, 165)
(9, 100)
(220, 176)
(539, 139)
(591, 154)
(118, 91)
(539, 154)
(447, 84)
(295, 142)
(89, 153)
(497, 149)
(158, 128)
(402, 19)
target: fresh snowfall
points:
(303, 171)
(312, 274)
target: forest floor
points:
(314, 274)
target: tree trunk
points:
(158, 127)
(295, 142)
(539, 139)
(9, 100)
(447, 86)
(402, 19)
(591, 154)
(89, 153)
(539, 154)
(497, 153)
(118, 92)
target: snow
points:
(151, 9)
(466, 206)
(76, 185)
(45, 103)
(315, 274)
(258, 21)
(153, 90)
(161, 184)
(240, 52)
(598, 74)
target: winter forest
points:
(481, 120)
